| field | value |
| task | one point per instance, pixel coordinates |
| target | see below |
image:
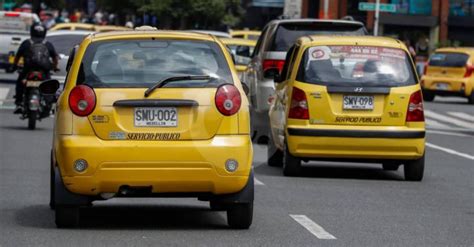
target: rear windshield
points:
(143, 63)
(288, 33)
(356, 66)
(448, 59)
(64, 43)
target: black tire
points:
(52, 202)
(414, 169)
(32, 115)
(240, 215)
(291, 164)
(390, 166)
(274, 155)
(67, 216)
(470, 99)
(216, 206)
(428, 96)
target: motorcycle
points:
(36, 105)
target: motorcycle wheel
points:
(32, 115)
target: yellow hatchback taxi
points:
(151, 114)
(354, 99)
(449, 72)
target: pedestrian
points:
(410, 49)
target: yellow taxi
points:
(151, 114)
(353, 99)
(87, 27)
(245, 34)
(449, 72)
(242, 50)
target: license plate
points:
(442, 86)
(33, 83)
(356, 102)
(156, 117)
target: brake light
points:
(299, 105)
(12, 14)
(469, 70)
(82, 100)
(228, 99)
(272, 64)
(415, 108)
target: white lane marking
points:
(450, 151)
(462, 115)
(447, 133)
(437, 116)
(312, 227)
(434, 123)
(257, 182)
(3, 94)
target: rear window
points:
(288, 33)
(64, 43)
(448, 59)
(356, 66)
(143, 63)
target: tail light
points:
(299, 105)
(228, 100)
(12, 14)
(82, 100)
(272, 64)
(469, 71)
(415, 108)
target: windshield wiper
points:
(175, 78)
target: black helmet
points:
(38, 31)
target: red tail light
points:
(82, 100)
(299, 105)
(469, 71)
(415, 108)
(272, 64)
(228, 100)
(12, 14)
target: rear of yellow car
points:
(351, 100)
(449, 72)
(152, 114)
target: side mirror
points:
(49, 87)
(246, 88)
(270, 73)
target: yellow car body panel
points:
(87, 27)
(245, 34)
(331, 123)
(450, 79)
(188, 158)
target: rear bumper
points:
(166, 167)
(357, 144)
(447, 93)
(454, 85)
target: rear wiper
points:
(175, 78)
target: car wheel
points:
(239, 215)
(67, 216)
(414, 169)
(216, 206)
(427, 96)
(390, 166)
(253, 131)
(52, 203)
(274, 155)
(291, 164)
(471, 98)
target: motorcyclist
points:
(38, 55)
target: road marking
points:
(462, 115)
(447, 133)
(434, 123)
(257, 182)
(431, 114)
(312, 227)
(3, 94)
(450, 151)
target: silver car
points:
(63, 42)
(269, 56)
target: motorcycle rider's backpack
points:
(38, 56)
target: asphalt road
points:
(352, 204)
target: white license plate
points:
(33, 83)
(356, 102)
(156, 117)
(442, 86)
